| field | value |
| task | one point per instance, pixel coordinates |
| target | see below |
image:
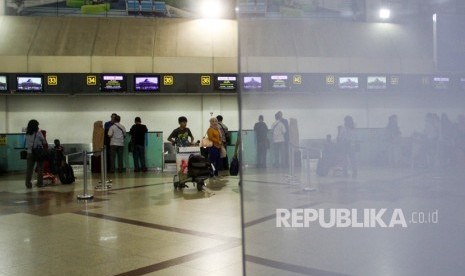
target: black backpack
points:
(198, 165)
(66, 174)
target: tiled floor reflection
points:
(141, 226)
(427, 248)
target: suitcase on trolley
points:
(198, 165)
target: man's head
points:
(220, 118)
(182, 121)
(260, 118)
(113, 115)
(137, 120)
(117, 119)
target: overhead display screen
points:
(113, 83)
(154, 83)
(146, 83)
(279, 82)
(462, 83)
(29, 83)
(252, 83)
(225, 83)
(349, 83)
(3, 84)
(376, 82)
(441, 83)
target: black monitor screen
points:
(348, 83)
(252, 83)
(376, 82)
(441, 83)
(113, 83)
(279, 82)
(29, 84)
(146, 83)
(225, 82)
(3, 84)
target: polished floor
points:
(141, 226)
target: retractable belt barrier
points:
(291, 177)
(104, 183)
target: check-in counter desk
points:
(13, 143)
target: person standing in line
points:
(225, 140)
(116, 133)
(279, 142)
(34, 139)
(286, 139)
(261, 138)
(349, 147)
(106, 138)
(393, 141)
(138, 131)
(214, 135)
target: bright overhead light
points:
(384, 13)
(211, 9)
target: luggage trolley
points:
(191, 166)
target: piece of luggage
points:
(48, 179)
(234, 167)
(96, 166)
(224, 164)
(198, 165)
(66, 174)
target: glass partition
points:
(356, 179)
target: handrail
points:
(71, 154)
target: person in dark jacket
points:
(261, 138)
(34, 139)
(138, 131)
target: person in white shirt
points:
(279, 142)
(116, 133)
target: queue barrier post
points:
(86, 195)
(104, 183)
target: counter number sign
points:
(91, 80)
(168, 80)
(205, 80)
(52, 80)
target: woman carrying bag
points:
(34, 140)
(214, 135)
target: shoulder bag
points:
(206, 143)
(39, 153)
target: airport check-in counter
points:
(12, 144)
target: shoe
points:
(144, 170)
(29, 185)
(136, 170)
